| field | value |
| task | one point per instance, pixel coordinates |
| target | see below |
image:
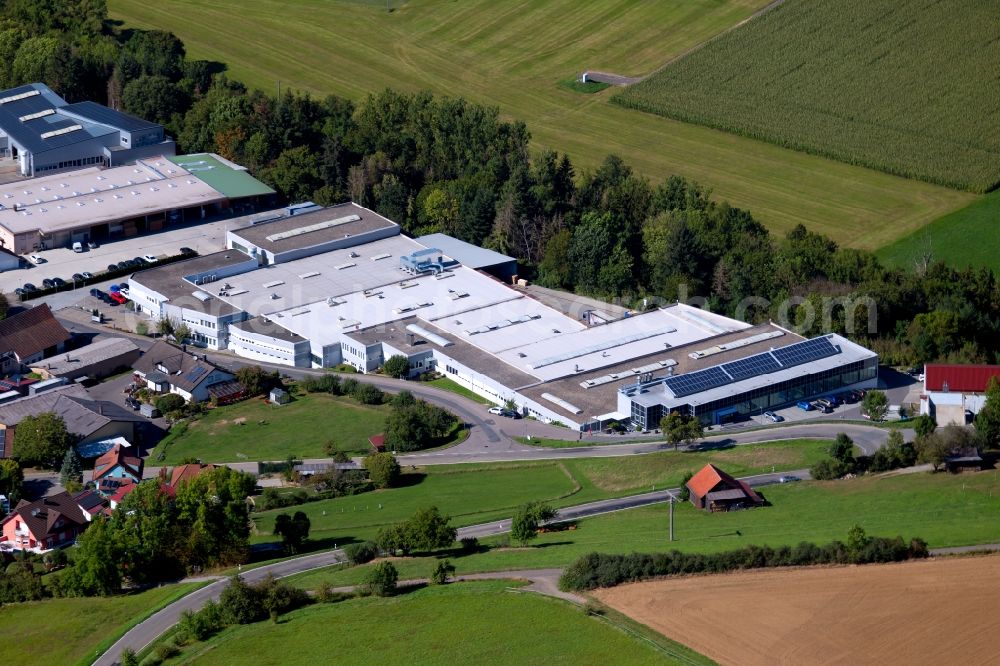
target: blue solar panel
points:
(752, 366)
(195, 373)
(804, 352)
(696, 382)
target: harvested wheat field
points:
(922, 612)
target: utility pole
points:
(671, 517)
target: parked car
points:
(122, 286)
(133, 403)
(822, 406)
(496, 410)
(149, 258)
(833, 400)
(77, 277)
(117, 297)
(123, 291)
(58, 282)
(122, 265)
(825, 404)
(773, 418)
(20, 291)
(188, 251)
(47, 283)
(95, 292)
(86, 275)
(788, 478)
(510, 413)
(30, 287)
(78, 246)
(138, 261)
(35, 259)
(113, 287)
(804, 405)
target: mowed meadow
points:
(514, 54)
(909, 88)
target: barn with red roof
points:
(714, 490)
(953, 393)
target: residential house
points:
(90, 420)
(91, 504)
(44, 524)
(184, 473)
(951, 391)
(118, 464)
(165, 368)
(29, 336)
(714, 490)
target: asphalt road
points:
(148, 630)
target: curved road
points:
(144, 633)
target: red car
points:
(117, 297)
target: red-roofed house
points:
(122, 487)
(951, 390)
(714, 490)
(44, 524)
(183, 473)
(118, 464)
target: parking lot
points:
(63, 262)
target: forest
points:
(443, 164)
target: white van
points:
(78, 246)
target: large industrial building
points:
(343, 285)
(46, 134)
(102, 204)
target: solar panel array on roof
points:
(696, 382)
(804, 352)
(758, 364)
(752, 366)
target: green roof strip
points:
(228, 179)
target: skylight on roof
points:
(60, 132)
(39, 114)
(24, 95)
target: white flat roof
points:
(92, 196)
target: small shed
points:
(377, 442)
(279, 396)
(148, 410)
(714, 490)
(965, 460)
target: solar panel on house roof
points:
(195, 373)
(804, 352)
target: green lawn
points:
(69, 631)
(944, 510)
(849, 79)
(474, 494)
(455, 387)
(968, 237)
(468, 623)
(514, 54)
(300, 428)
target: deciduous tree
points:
(42, 440)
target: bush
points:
(170, 402)
(380, 580)
(470, 544)
(684, 494)
(396, 366)
(360, 553)
(368, 394)
(828, 469)
(241, 603)
(599, 570)
(383, 469)
(442, 572)
(165, 651)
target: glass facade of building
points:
(750, 403)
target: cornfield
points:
(904, 86)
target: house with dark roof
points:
(953, 392)
(714, 490)
(44, 524)
(90, 503)
(29, 336)
(165, 368)
(118, 463)
(90, 420)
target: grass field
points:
(69, 631)
(909, 88)
(968, 237)
(300, 428)
(473, 494)
(945, 510)
(458, 389)
(467, 623)
(514, 54)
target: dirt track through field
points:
(927, 612)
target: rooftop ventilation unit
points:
(736, 344)
(275, 283)
(379, 257)
(310, 274)
(343, 266)
(598, 348)
(201, 295)
(319, 226)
